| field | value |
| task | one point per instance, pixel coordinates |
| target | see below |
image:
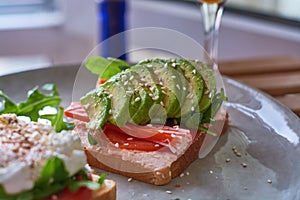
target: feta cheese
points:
(25, 147)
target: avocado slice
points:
(146, 76)
(140, 100)
(209, 87)
(119, 113)
(97, 105)
(171, 84)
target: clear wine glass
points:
(211, 11)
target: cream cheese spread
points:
(25, 147)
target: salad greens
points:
(35, 102)
(105, 68)
(54, 178)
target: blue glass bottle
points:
(111, 16)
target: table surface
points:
(277, 76)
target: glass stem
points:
(211, 18)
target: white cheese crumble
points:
(25, 147)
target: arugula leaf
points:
(92, 140)
(53, 179)
(102, 178)
(53, 170)
(36, 100)
(57, 121)
(105, 68)
(7, 106)
(75, 185)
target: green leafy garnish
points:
(57, 121)
(35, 102)
(105, 67)
(53, 179)
(92, 140)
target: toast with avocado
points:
(148, 121)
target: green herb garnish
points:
(105, 67)
(35, 102)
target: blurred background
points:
(36, 33)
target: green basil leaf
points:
(105, 68)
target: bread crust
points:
(106, 192)
(164, 175)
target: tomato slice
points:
(76, 111)
(145, 138)
(121, 140)
(66, 194)
(101, 81)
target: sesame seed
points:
(211, 171)
(181, 175)
(192, 108)
(184, 88)
(129, 179)
(149, 65)
(149, 125)
(161, 103)
(244, 165)
(131, 78)
(126, 83)
(130, 138)
(269, 181)
(228, 160)
(187, 173)
(168, 192)
(129, 92)
(156, 145)
(177, 86)
(174, 64)
(173, 76)
(155, 98)
(117, 145)
(194, 71)
(137, 99)
(126, 144)
(176, 127)
(110, 111)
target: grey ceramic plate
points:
(264, 132)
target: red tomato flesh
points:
(66, 194)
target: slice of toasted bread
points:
(157, 174)
(160, 176)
